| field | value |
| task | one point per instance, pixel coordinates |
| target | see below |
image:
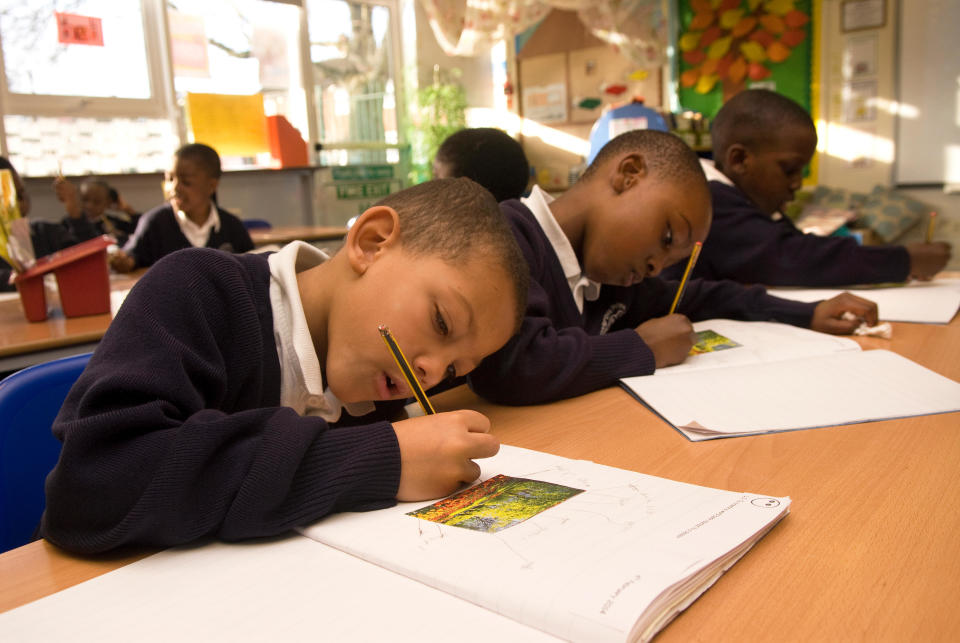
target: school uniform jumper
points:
(175, 431)
(158, 234)
(745, 244)
(119, 224)
(561, 352)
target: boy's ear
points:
(377, 229)
(735, 160)
(630, 169)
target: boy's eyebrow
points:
(464, 303)
(689, 227)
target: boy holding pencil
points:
(596, 311)
(233, 396)
(761, 143)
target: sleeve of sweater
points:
(174, 431)
(747, 246)
(550, 359)
(144, 244)
(704, 299)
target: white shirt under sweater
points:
(582, 287)
(198, 235)
(301, 379)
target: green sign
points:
(362, 190)
(362, 172)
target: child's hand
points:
(437, 451)
(828, 316)
(927, 259)
(670, 338)
(67, 193)
(122, 262)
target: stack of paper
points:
(762, 377)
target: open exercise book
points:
(760, 377)
(545, 547)
(927, 302)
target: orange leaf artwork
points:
(796, 19)
(689, 77)
(765, 38)
(758, 72)
(793, 37)
(773, 24)
(744, 27)
(737, 70)
(710, 35)
(701, 5)
(727, 5)
(694, 58)
(701, 21)
(709, 66)
(778, 52)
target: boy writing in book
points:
(761, 143)
(90, 212)
(190, 218)
(216, 404)
(596, 311)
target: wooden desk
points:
(23, 343)
(869, 551)
(286, 234)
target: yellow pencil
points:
(407, 371)
(686, 275)
(930, 226)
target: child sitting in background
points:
(90, 214)
(45, 236)
(761, 143)
(191, 218)
(595, 310)
(210, 406)
(488, 156)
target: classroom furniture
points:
(256, 224)
(285, 234)
(23, 343)
(29, 402)
(869, 551)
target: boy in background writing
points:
(211, 406)
(89, 213)
(489, 156)
(761, 143)
(191, 218)
(595, 310)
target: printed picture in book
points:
(709, 341)
(494, 505)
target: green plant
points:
(441, 111)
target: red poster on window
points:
(78, 30)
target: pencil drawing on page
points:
(496, 504)
(709, 341)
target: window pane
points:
(42, 146)
(351, 52)
(240, 47)
(96, 50)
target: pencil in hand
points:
(686, 275)
(930, 226)
(407, 371)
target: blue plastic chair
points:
(257, 224)
(29, 402)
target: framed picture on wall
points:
(863, 14)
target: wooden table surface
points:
(285, 234)
(870, 550)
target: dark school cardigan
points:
(158, 234)
(746, 245)
(175, 431)
(561, 353)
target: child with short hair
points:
(217, 403)
(596, 311)
(489, 156)
(191, 218)
(761, 143)
(89, 213)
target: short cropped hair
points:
(753, 117)
(667, 156)
(203, 155)
(100, 183)
(454, 218)
(489, 156)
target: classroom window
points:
(352, 50)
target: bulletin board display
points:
(725, 46)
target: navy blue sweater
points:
(561, 353)
(158, 234)
(175, 431)
(746, 245)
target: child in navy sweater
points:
(90, 213)
(191, 218)
(596, 311)
(219, 402)
(761, 143)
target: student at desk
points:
(91, 213)
(761, 143)
(219, 402)
(596, 311)
(191, 218)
